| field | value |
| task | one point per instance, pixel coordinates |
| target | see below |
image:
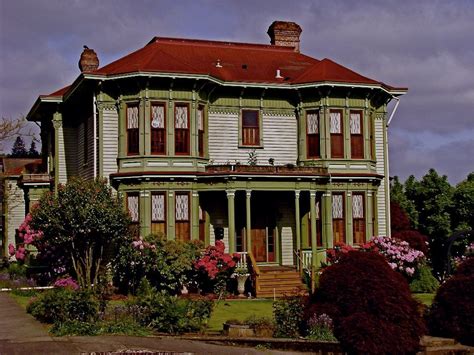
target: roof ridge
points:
(214, 43)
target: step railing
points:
(242, 263)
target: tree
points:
(463, 205)
(19, 149)
(80, 228)
(399, 196)
(32, 152)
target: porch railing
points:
(307, 257)
(242, 263)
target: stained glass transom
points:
(357, 206)
(200, 119)
(158, 116)
(355, 123)
(335, 122)
(182, 207)
(158, 207)
(132, 117)
(181, 117)
(132, 204)
(313, 123)
(337, 206)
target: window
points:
(337, 136)
(181, 129)
(371, 135)
(357, 137)
(158, 213)
(200, 124)
(250, 128)
(182, 229)
(133, 206)
(358, 218)
(132, 130)
(312, 134)
(338, 220)
(158, 128)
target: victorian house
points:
(279, 154)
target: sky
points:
(426, 46)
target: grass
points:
(425, 298)
(238, 309)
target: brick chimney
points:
(286, 34)
(89, 60)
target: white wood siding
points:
(379, 127)
(15, 201)
(70, 151)
(286, 226)
(110, 141)
(279, 139)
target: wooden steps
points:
(276, 281)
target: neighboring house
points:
(14, 202)
(280, 154)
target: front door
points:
(259, 244)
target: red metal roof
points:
(230, 62)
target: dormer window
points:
(132, 130)
(181, 129)
(158, 128)
(250, 128)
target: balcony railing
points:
(288, 169)
(35, 178)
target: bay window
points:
(181, 129)
(312, 134)
(338, 218)
(336, 131)
(133, 142)
(357, 137)
(158, 128)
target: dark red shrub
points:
(371, 305)
(398, 218)
(415, 239)
(452, 312)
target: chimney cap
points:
(89, 60)
(285, 34)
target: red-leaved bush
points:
(371, 305)
(415, 239)
(452, 312)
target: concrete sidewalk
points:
(20, 333)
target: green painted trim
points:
(171, 232)
(231, 219)
(100, 143)
(326, 201)
(298, 221)
(195, 215)
(57, 124)
(248, 221)
(349, 229)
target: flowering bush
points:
(320, 327)
(66, 282)
(340, 249)
(215, 261)
(399, 255)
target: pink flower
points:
(11, 249)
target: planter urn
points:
(241, 284)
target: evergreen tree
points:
(33, 153)
(19, 150)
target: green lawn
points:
(425, 298)
(239, 309)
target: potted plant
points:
(241, 274)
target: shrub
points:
(262, 322)
(415, 239)
(288, 313)
(452, 312)
(167, 264)
(75, 328)
(424, 281)
(63, 304)
(170, 314)
(371, 305)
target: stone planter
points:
(264, 332)
(241, 279)
(238, 331)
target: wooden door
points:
(259, 247)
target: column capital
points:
(57, 120)
(297, 194)
(248, 193)
(230, 193)
(195, 194)
(312, 194)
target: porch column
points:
(171, 216)
(195, 216)
(314, 249)
(298, 226)
(57, 124)
(369, 216)
(231, 219)
(349, 230)
(327, 220)
(248, 221)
